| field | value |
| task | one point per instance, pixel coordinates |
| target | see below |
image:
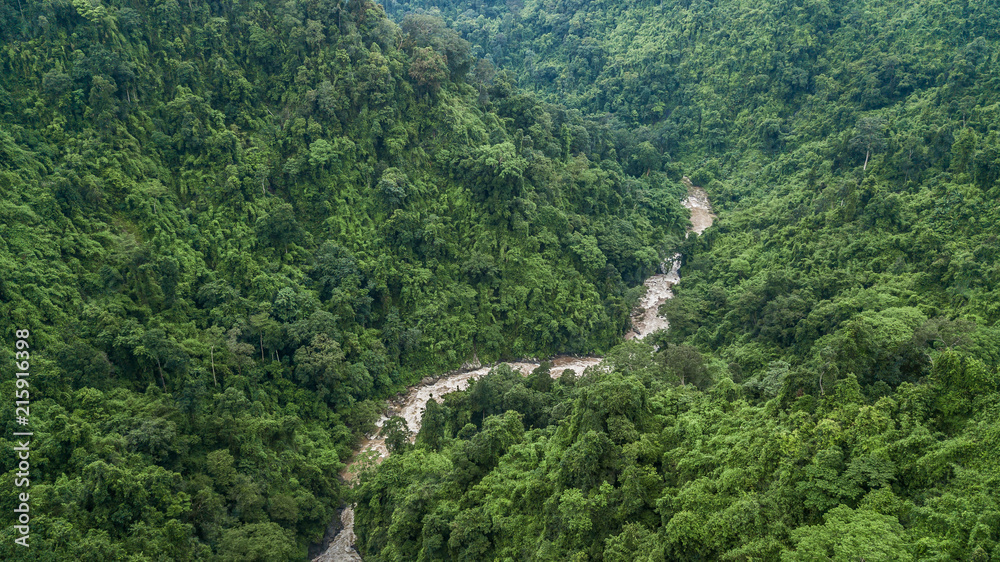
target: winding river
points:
(645, 320)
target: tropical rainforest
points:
(233, 229)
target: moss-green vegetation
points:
(233, 228)
(837, 327)
(630, 465)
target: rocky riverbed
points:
(645, 320)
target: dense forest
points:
(828, 387)
(234, 228)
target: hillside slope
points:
(233, 228)
(828, 385)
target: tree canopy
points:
(234, 229)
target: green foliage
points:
(233, 228)
(396, 434)
(634, 468)
(850, 535)
(838, 321)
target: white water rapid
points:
(645, 320)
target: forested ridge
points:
(234, 228)
(828, 387)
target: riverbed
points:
(645, 320)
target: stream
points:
(645, 320)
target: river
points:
(645, 320)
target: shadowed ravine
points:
(645, 320)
